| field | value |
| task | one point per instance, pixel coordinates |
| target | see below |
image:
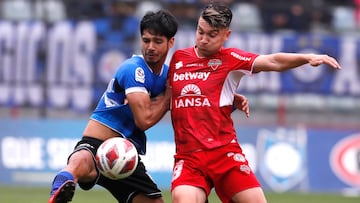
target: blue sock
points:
(60, 179)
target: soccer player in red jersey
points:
(204, 79)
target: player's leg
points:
(139, 187)
(232, 176)
(252, 195)
(187, 193)
(80, 167)
(190, 182)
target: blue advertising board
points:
(284, 159)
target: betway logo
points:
(191, 76)
(241, 58)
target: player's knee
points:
(252, 195)
(82, 165)
(186, 193)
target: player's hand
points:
(317, 59)
(242, 103)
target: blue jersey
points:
(133, 75)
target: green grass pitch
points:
(10, 194)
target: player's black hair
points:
(161, 23)
(217, 15)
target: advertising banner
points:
(284, 159)
(54, 66)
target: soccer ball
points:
(116, 158)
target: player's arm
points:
(242, 103)
(147, 111)
(284, 61)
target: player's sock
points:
(60, 179)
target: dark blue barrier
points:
(284, 159)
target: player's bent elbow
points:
(143, 125)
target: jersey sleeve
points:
(242, 60)
(131, 78)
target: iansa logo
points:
(190, 96)
(345, 160)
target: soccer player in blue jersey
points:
(134, 100)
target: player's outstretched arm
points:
(242, 103)
(284, 61)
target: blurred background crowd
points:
(252, 15)
(118, 20)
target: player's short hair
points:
(161, 23)
(218, 16)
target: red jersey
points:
(203, 94)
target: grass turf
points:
(11, 194)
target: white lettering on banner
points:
(191, 76)
(66, 72)
(69, 64)
(83, 66)
(58, 65)
(6, 57)
(22, 153)
(21, 38)
(348, 79)
(27, 82)
(35, 153)
(57, 151)
(34, 89)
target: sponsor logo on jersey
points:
(241, 58)
(139, 75)
(177, 169)
(194, 65)
(190, 96)
(191, 76)
(239, 157)
(178, 65)
(245, 168)
(214, 63)
(236, 156)
(345, 160)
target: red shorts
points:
(224, 168)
